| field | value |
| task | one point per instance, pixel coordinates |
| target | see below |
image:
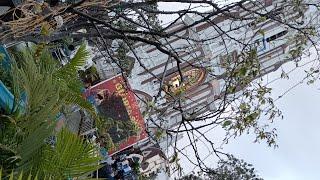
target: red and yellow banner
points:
(115, 101)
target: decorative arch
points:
(193, 77)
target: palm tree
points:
(48, 88)
(69, 157)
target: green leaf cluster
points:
(48, 88)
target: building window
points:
(276, 36)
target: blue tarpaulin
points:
(5, 61)
(7, 99)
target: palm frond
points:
(14, 175)
(80, 57)
(48, 88)
(30, 150)
(70, 157)
(73, 98)
(70, 84)
(41, 89)
(75, 63)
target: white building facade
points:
(272, 41)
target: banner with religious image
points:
(116, 104)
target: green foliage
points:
(124, 61)
(5, 77)
(159, 134)
(76, 62)
(295, 53)
(174, 158)
(71, 156)
(229, 169)
(243, 70)
(43, 104)
(19, 176)
(226, 123)
(70, 83)
(30, 150)
(46, 29)
(9, 139)
(300, 40)
(255, 98)
(136, 168)
(150, 19)
(48, 89)
(90, 75)
(41, 89)
(233, 168)
(125, 128)
(107, 142)
(1, 56)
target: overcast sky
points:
(297, 157)
(298, 133)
